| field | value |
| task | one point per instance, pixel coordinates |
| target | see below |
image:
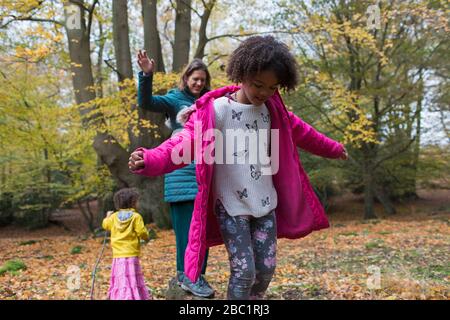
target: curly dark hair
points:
(262, 53)
(126, 198)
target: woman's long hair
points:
(195, 65)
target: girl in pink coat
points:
(253, 191)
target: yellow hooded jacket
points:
(127, 228)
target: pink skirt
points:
(127, 281)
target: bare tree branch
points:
(91, 15)
(192, 8)
(240, 35)
(30, 18)
(217, 57)
(112, 67)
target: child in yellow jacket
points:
(127, 229)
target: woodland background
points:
(69, 120)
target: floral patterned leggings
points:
(251, 244)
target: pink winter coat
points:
(299, 211)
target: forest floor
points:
(404, 256)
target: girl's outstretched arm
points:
(174, 153)
(311, 140)
(108, 221)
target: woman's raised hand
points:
(136, 160)
(147, 65)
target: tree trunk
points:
(153, 199)
(152, 44)
(202, 38)
(111, 153)
(381, 195)
(182, 35)
(99, 74)
(416, 148)
(152, 41)
(122, 54)
(121, 39)
(369, 210)
(47, 171)
(368, 199)
(80, 56)
(87, 215)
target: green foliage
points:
(325, 175)
(437, 272)
(367, 87)
(434, 167)
(33, 206)
(76, 250)
(12, 266)
(6, 208)
(375, 244)
(28, 242)
(46, 156)
(360, 86)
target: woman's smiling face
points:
(196, 82)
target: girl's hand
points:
(147, 65)
(136, 160)
(344, 156)
(109, 213)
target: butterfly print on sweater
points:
(236, 115)
(265, 202)
(243, 193)
(253, 126)
(256, 174)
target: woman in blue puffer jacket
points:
(180, 186)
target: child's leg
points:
(236, 235)
(264, 238)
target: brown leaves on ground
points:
(409, 251)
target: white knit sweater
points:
(240, 185)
